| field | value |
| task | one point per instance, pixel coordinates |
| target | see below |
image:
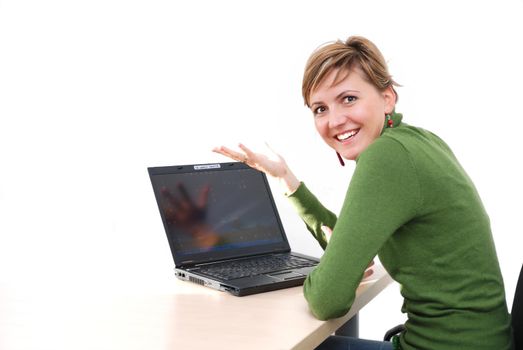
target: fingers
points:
(237, 156)
(369, 270)
(225, 151)
(248, 152)
(272, 150)
(327, 231)
(368, 273)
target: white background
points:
(94, 92)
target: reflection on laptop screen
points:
(212, 211)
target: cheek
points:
(321, 126)
(371, 119)
(361, 114)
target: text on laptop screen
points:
(216, 211)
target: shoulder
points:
(386, 157)
(408, 142)
(383, 150)
(386, 176)
(389, 158)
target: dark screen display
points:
(216, 211)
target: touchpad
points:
(286, 275)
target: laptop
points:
(224, 230)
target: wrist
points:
(289, 182)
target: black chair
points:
(393, 331)
(517, 317)
(517, 314)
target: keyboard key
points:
(255, 266)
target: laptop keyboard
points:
(255, 266)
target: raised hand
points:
(269, 162)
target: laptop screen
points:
(216, 211)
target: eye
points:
(319, 110)
(349, 99)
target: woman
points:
(409, 202)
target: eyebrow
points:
(337, 97)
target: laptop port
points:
(228, 289)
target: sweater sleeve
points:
(313, 213)
(383, 195)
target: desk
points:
(187, 316)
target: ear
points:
(389, 99)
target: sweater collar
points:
(396, 120)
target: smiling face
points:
(350, 115)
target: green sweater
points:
(411, 203)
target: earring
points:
(390, 122)
(340, 159)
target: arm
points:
(313, 213)
(383, 194)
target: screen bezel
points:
(209, 256)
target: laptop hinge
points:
(191, 263)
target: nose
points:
(337, 117)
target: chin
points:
(347, 154)
(354, 152)
(350, 157)
(350, 153)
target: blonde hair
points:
(355, 52)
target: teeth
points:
(345, 136)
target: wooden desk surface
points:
(186, 316)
